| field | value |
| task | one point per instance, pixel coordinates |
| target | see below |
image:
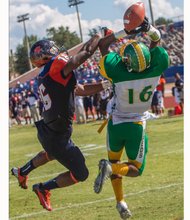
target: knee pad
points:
(77, 164)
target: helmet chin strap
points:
(129, 68)
(126, 61)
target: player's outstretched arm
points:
(107, 40)
(155, 36)
(153, 33)
(84, 53)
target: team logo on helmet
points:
(42, 51)
(37, 49)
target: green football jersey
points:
(133, 91)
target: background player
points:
(135, 74)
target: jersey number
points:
(144, 95)
(44, 97)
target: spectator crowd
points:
(24, 103)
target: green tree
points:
(62, 36)
(162, 20)
(21, 63)
(93, 31)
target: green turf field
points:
(156, 195)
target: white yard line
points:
(170, 152)
(96, 201)
(93, 148)
(87, 146)
(36, 177)
(90, 149)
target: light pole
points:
(75, 3)
(12, 65)
(23, 18)
(151, 13)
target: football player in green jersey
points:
(134, 73)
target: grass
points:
(156, 195)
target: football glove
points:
(105, 31)
(144, 27)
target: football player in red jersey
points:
(57, 85)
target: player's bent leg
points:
(121, 205)
(76, 165)
(139, 160)
(65, 179)
(42, 158)
(116, 181)
(74, 161)
(21, 173)
(131, 169)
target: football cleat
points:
(123, 210)
(105, 171)
(22, 180)
(43, 196)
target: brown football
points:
(134, 16)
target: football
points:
(134, 16)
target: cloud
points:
(87, 25)
(23, 1)
(161, 8)
(44, 17)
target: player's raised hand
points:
(145, 26)
(105, 31)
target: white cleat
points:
(105, 172)
(123, 210)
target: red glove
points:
(105, 31)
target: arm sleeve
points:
(57, 69)
(160, 59)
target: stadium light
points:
(23, 18)
(72, 3)
(151, 12)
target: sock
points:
(51, 184)
(118, 189)
(27, 168)
(120, 169)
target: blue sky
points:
(93, 13)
